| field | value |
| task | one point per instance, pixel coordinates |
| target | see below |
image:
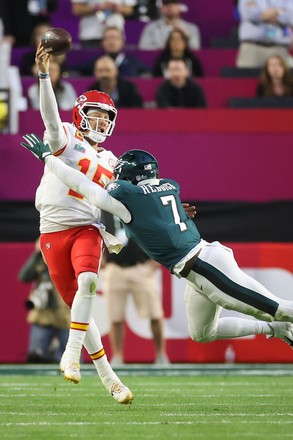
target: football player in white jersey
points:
(71, 235)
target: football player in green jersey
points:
(153, 216)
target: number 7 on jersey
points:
(170, 200)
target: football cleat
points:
(118, 391)
(121, 393)
(70, 370)
(282, 330)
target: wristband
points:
(43, 75)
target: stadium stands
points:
(240, 72)
(213, 60)
(215, 19)
(217, 90)
(277, 102)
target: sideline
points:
(155, 370)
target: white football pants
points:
(216, 282)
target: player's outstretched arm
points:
(48, 105)
(75, 180)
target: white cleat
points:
(121, 393)
(70, 370)
(118, 391)
(282, 330)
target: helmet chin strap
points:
(95, 137)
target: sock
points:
(81, 313)
(237, 327)
(95, 349)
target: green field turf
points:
(166, 406)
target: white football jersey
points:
(60, 207)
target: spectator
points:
(95, 15)
(155, 34)
(20, 17)
(64, 91)
(48, 315)
(146, 10)
(177, 47)
(131, 273)
(265, 29)
(124, 93)
(179, 90)
(113, 44)
(276, 78)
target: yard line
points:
(171, 422)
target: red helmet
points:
(91, 100)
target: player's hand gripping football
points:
(42, 59)
(36, 146)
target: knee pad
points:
(87, 283)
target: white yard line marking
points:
(172, 422)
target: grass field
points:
(209, 405)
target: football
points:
(57, 41)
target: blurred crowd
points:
(262, 32)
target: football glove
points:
(36, 146)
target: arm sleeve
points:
(94, 193)
(55, 134)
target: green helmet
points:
(136, 165)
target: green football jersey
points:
(159, 223)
